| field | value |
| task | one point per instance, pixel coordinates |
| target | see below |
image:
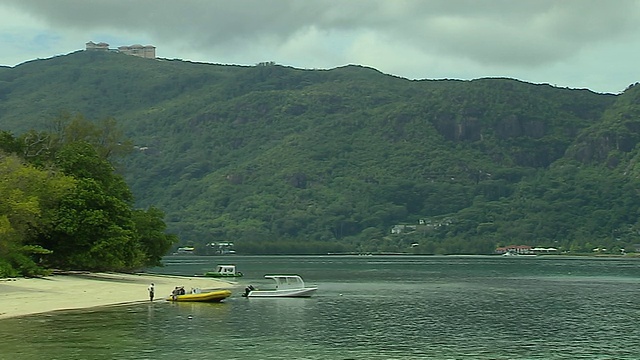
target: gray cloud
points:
(512, 34)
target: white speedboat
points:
(285, 286)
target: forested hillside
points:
(284, 160)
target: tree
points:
(9, 144)
(28, 196)
(93, 228)
(150, 229)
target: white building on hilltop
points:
(147, 51)
(101, 46)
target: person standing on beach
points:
(152, 290)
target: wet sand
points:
(22, 296)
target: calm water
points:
(366, 308)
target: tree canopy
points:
(66, 208)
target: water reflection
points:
(368, 308)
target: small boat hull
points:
(219, 275)
(285, 286)
(306, 292)
(209, 296)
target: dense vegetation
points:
(283, 160)
(64, 207)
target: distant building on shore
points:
(146, 51)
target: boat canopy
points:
(286, 281)
(226, 269)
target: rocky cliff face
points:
(614, 138)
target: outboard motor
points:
(247, 290)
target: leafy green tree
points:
(29, 196)
(93, 228)
(105, 135)
(150, 229)
(9, 144)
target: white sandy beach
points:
(24, 296)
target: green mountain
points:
(284, 160)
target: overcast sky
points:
(592, 44)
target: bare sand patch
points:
(25, 296)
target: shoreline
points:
(29, 296)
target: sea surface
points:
(367, 307)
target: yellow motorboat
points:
(205, 296)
